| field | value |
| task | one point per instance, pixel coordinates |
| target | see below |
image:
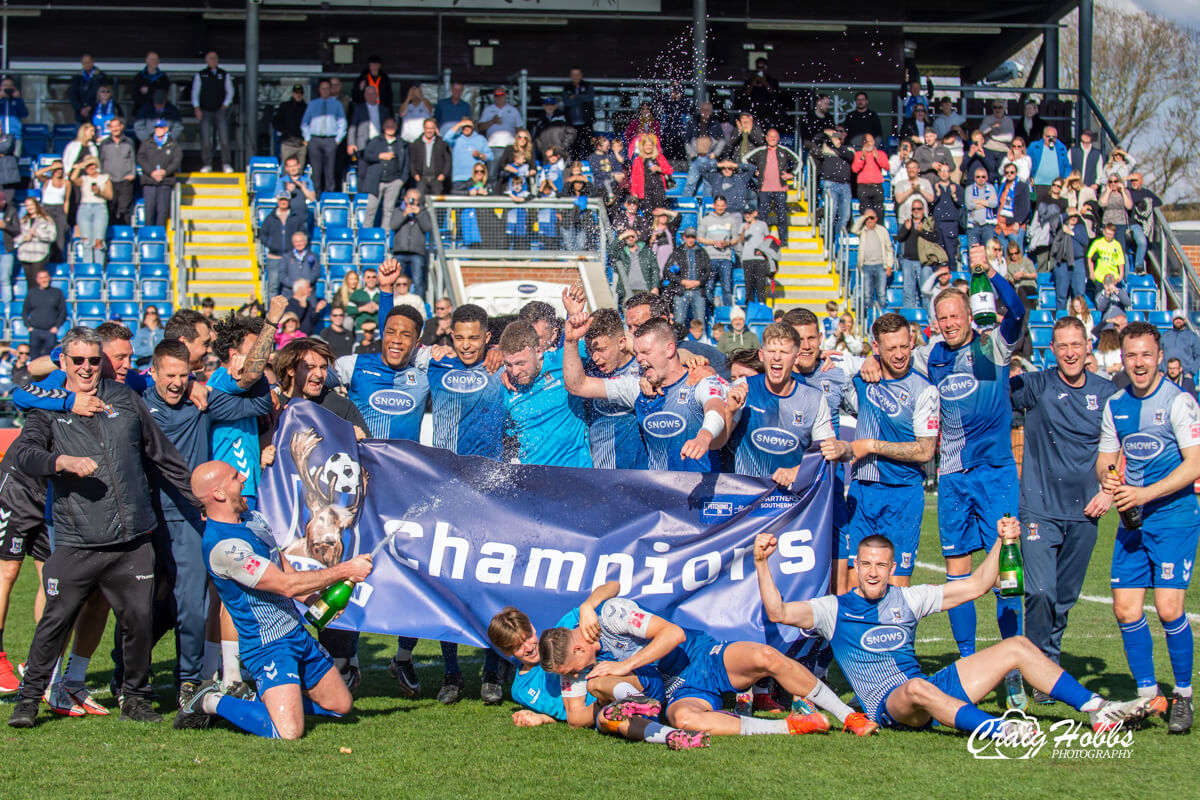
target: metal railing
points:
(1177, 279)
(179, 263)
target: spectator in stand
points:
(1116, 202)
(341, 298)
(946, 209)
(644, 122)
(914, 99)
(105, 110)
(522, 145)
(1081, 197)
(737, 336)
(1176, 376)
(978, 156)
(158, 108)
(835, 158)
(948, 119)
(954, 146)
(908, 189)
(998, 130)
(208, 309)
(160, 158)
(754, 258)
(12, 112)
(696, 333)
(467, 148)
(930, 154)
(287, 121)
(912, 231)
(81, 92)
(761, 95)
(1108, 351)
(1049, 161)
(1080, 311)
(298, 262)
(296, 187)
(44, 312)
(686, 274)
(898, 161)
(323, 128)
(499, 121)
(718, 232)
(861, 122)
(675, 112)
(1018, 157)
(339, 334)
(386, 160)
(775, 168)
(375, 78)
(412, 114)
(702, 162)
(746, 136)
(288, 330)
(1013, 207)
(876, 260)
(95, 190)
(1030, 126)
(817, 121)
(118, 160)
(410, 226)
(149, 80)
(147, 336)
(439, 329)
(1022, 273)
(449, 110)
(1047, 220)
(631, 218)
(732, 181)
(634, 267)
(429, 160)
(56, 190)
(212, 95)
(1141, 221)
(368, 343)
(403, 295)
(1106, 257)
(305, 306)
(1181, 342)
(870, 165)
(648, 173)
(275, 234)
(1068, 251)
(366, 123)
(365, 299)
(578, 105)
(19, 375)
(981, 202)
(1119, 163)
(608, 167)
(916, 127)
(10, 227)
(706, 124)
(843, 338)
(1087, 160)
(1112, 300)
(662, 236)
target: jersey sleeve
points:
(849, 362)
(923, 600)
(824, 611)
(421, 362)
(574, 686)
(1109, 443)
(709, 388)
(823, 424)
(344, 368)
(622, 617)
(623, 390)
(1025, 390)
(1185, 421)
(236, 560)
(926, 415)
(920, 359)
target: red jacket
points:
(870, 169)
(637, 175)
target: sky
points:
(1185, 12)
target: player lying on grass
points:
(872, 629)
(696, 669)
(623, 706)
(258, 589)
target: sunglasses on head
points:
(79, 360)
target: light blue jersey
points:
(670, 419)
(392, 401)
(541, 691)
(236, 441)
(548, 424)
(468, 408)
(1151, 431)
(613, 429)
(773, 431)
(833, 382)
(873, 641)
(901, 410)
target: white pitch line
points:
(1091, 598)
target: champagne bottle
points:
(983, 299)
(1012, 569)
(1131, 518)
(333, 601)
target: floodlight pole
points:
(1086, 9)
(1050, 58)
(250, 93)
(699, 48)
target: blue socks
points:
(450, 656)
(249, 715)
(1179, 647)
(1008, 615)
(1071, 692)
(491, 661)
(969, 718)
(1139, 651)
(962, 622)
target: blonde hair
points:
(652, 141)
(342, 299)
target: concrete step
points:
(215, 275)
(212, 190)
(222, 214)
(212, 178)
(822, 284)
(233, 294)
(243, 263)
(205, 238)
(215, 225)
(218, 249)
(213, 201)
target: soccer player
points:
(896, 434)
(696, 669)
(684, 425)
(642, 307)
(613, 431)
(258, 588)
(1061, 500)
(468, 397)
(1157, 426)
(548, 425)
(873, 629)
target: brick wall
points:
(1192, 251)
(551, 274)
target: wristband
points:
(272, 324)
(714, 423)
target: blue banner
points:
(470, 536)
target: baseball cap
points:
(499, 93)
(549, 101)
(689, 231)
(297, 87)
(1178, 314)
(161, 123)
(468, 123)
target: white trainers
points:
(227, 168)
(206, 168)
(1113, 713)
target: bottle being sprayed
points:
(332, 601)
(983, 299)
(1012, 568)
(1131, 518)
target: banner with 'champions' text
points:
(469, 536)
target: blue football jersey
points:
(773, 431)
(670, 419)
(541, 691)
(613, 429)
(833, 382)
(873, 641)
(236, 441)
(468, 408)
(1152, 431)
(900, 410)
(548, 423)
(392, 401)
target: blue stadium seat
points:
(59, 269)
(121, 249)
(895, 297)
(1040, 336)
(121, 289)
(338, 270)
(14, 309)
(721, 314)
(152, 233)
(1046, 298)
(759, 312)
(1135, 316)
(360, 210)
(372, 235)
(62, 283)
(339, 245)
(139, 213)
(1041, 317)
(165, 310)
(156, 290)
(78, 250)
(371, 254)
(1140, 282)
(261, 163)
(335, 210)
(1144, 299)
(20, 290)
(19, 332)
(261, 211)
(127, 310)
(152, 252)
(1045, 279)
(738, 275)
(35, 138)
(262, 184)
(1159, 319)
(154, 271)
(62, 134)
(89, 289)
(89, 308)
(351, 180)
(120, 269)
(917, 315)
(121, 232)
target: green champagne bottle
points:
(333, 600)
(1012, 569)
(983, 299)
(1131, 518)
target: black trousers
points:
(755, 271)
(121, 203)
(158, 203)
(776, 202)
(322, 154)
(125, 575)
(870, 195)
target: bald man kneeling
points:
(293, 673)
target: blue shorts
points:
(296, 658)
(891, 511)
(945, 679)
(841, 516)
(652, 683)
(1153, 558)
(703, 675)
(969, 505)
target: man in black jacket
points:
(409, 229)
(44, 312)
(84, 85)
(686, 273)
(835, 159)
(776, 167)
(429, 160)
(386, 159)
(102, 520)
(287, 121)
(160, 157)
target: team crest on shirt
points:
(798, 418)
(411, 378)
(906, 561)
(897, 614)
(826, 387)
(683, 393)
(15, 546)
(1160, 417)
(903, 397)
(1093, 402)
(52, 587)
(1033, 534)
(1168, 571)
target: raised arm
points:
(256, 359)
(577, 382)
(797, 613)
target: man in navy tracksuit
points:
(1061, 501)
